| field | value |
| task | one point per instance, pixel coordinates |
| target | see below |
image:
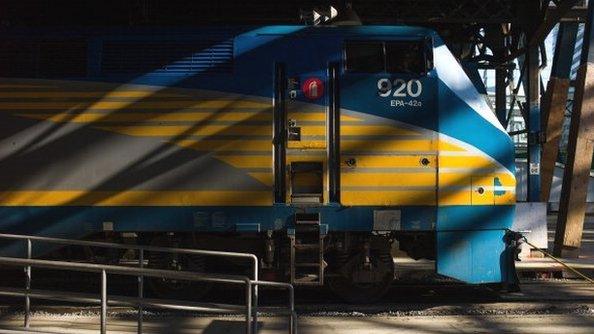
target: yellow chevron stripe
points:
(135, 198)
(454, 179)
(247, 161)
(372, 130)
(447, 146)
(404, 197)
(307, 144)
(318, 117)
(392, 145)
(89, 117)
(243, 145)
(111, 105)
(190, 130)
(476, 162)
(387, 179)
(319, 158)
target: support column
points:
(554, 103)
(534, 131)
(572, 208)
(500, 93)
(500, 78)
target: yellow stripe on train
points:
(113, 105)
(135, 198)
(152, 117)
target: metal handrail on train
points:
(141, 273)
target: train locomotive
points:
(314, 147)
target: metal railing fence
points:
(251, 307)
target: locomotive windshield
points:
(391, 57)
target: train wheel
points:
(361, 280)
(170, 288)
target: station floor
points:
(558, 317)
(534, 324)
(558, 306)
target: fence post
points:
(248, 306)
(28, 286)
(255, 301)
(293, 315)
(140, 289)
(103, 302)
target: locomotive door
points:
(303, 163)
(388, 146)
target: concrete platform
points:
(542, 307)
(575, 324)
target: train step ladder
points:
(307, 250)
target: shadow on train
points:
(44, 143)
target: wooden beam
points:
(553, 108)
(572, 208)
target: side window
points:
(364, 57)
(392, 56)
(406, 57)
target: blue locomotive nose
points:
(470, 238)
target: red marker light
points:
(313, 88)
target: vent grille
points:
(43, 59)
(192, 57)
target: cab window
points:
(390, 56)
(364, 57)
(407, 57)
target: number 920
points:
(399, 88)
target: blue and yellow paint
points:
(168, 152)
